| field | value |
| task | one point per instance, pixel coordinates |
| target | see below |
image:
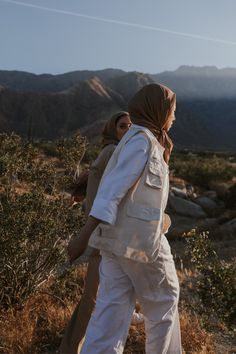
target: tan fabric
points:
(150, 108)
(109, 130)
(77, 326)
(109, 141)
(95, 174)
(140, 216)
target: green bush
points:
(33, 224)
(216, 285)
(202, 170)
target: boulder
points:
(207, 224)
(208, 205)
(190, 191)
(181, 224)
(211, 194)
(179, 192)
(229, 227)
(186, 207)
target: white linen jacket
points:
(140, 216)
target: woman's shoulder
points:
(139, 138)
(104, 155)
(109, 147)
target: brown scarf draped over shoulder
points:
(109, 130)
(150, 108)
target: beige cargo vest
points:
(139, 223)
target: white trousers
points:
(154, 285)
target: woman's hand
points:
(77, 246)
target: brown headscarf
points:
(150, 107)
(109, 130)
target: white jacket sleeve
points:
(130, 164)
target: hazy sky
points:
(56, 36)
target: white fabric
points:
(155, 285)
(115, 185)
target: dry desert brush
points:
(33, 224)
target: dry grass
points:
(195, 339)
(136, 340)
(35, 328)
(38, 326)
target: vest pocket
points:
(143, 212)
(154, 176)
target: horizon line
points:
(125, 71)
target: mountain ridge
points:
(205, 109)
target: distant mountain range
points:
(49, 106)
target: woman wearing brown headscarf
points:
(153, 107)
(127, 224)
(112, 132)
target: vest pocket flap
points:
(143, 212)
(155, 167)
(154, 174)
(154, 181)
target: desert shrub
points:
(69, 153)
(91, 153)
(21, 162)
(49, 148)
(202, 170)
(216, 285)
(32, 231)
(33, 225)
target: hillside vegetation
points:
(38, 289)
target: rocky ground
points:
(190, 207)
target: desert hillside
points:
(51, 106)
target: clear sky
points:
(56, 36)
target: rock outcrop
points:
(186, 207)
